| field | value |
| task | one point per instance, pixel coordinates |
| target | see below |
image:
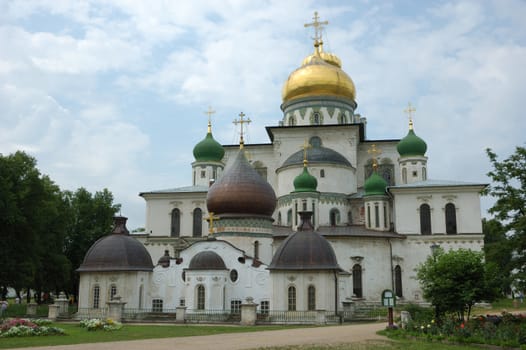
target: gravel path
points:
(318, 335)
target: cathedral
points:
(317, 218)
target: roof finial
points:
(375, 152)
(241, 121)
(209, 113)
(410, 110)
(306, 145)
(318, 27)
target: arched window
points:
(398, 281)
(342, 119)
(316, 118)
(451, 219)
(96, 297)
(404, 175)
(357, 289)
(292, 298)
(289, 217)
(311, 298)
(425, 219)
(176, 223)
(113, 291)
(256, 250)
(198, 222)
(424, 173)
(322, 172)
(292, 121)
(200, 297)
(334, 217)
(279, 219)
(349, 217)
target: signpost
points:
(389, 300)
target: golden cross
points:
(306, 145)
(241, 121)
(209, 113)
(318, 26)
(210, 220)
(410, 110)
(375, 152)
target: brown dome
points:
(207, 260)
(241, 191)
(117, 252)
(305, 250)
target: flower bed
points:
(100, 324)
(20, 327)
(501, 330)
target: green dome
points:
(305, 182)
(208, 150)
(411, 145)
(375, 185)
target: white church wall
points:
(323, 281)
(407, 204)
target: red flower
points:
(462, 325)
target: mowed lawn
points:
(77, 335)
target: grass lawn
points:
(380, 345)
(78, 335)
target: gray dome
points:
(317, 154)
(117, 252)
(207, 260)
(305, 250)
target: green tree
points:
(454, 281)
(509, 189)
(89, 217)
(498, 250)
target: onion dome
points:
(375, 185)
(164, 260)
(305, 182)
(117, 252)
(241, 191)
(319, 75)
(207, 260)
(208, 149)
(411, 145)
(305, 250)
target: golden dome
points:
(319, 74)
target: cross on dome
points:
(410, 110)
(209, 112)
(374, 152)
(306, 145)
(241, 121)
(318, 26)
(211, 217)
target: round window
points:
(233, 275)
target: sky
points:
(112, 94)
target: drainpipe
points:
(391, 261)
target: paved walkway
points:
(237, 341)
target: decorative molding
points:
(424, 199)
(291, 278)
(357, 258)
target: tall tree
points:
(509, 189)
(498, 250)
(89, 217)
(20, 197)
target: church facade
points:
(317, 218)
